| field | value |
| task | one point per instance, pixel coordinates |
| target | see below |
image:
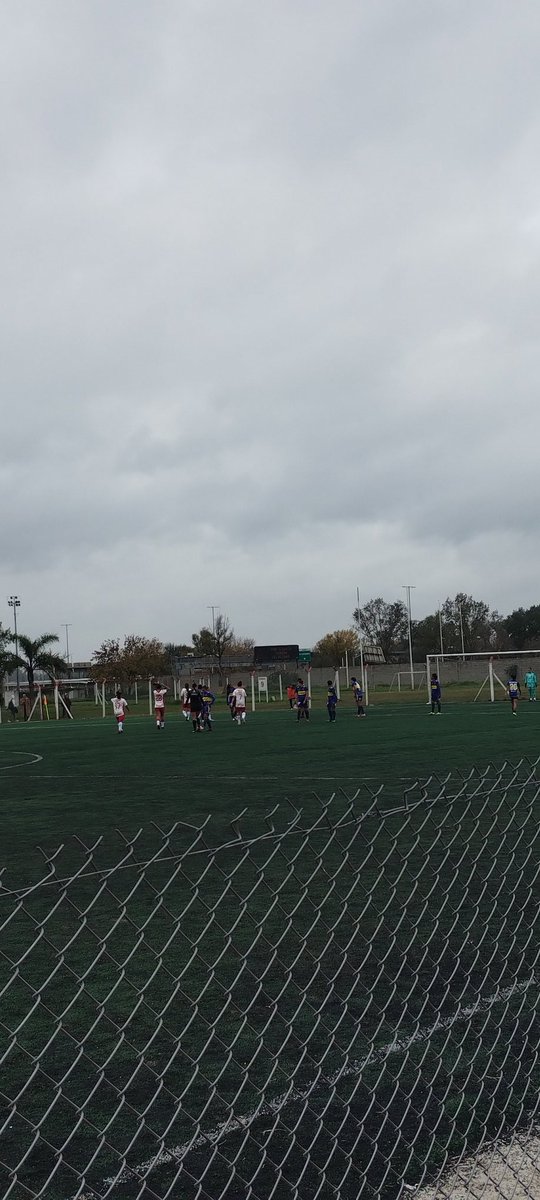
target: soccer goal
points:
(525, 662)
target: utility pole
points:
(441, 632)
(362, 664)
(214, 608)
(15, 603)
(67, 625)
(461, 630)
(408, 588)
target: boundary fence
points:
(343, 1006)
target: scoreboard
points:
(275, 654)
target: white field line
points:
(355, 1068)
(30, 758)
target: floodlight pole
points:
(15, 603)
(408, 587)
(214, 608)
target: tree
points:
(242, 647)
(426, 635)
(213, 643)
(523, 627)
(330, 650)
(383, 624)
(479, 624)
(107, 660)
(173, 654)
(7, 657)
(37, 655)
(138, 658)
(142, 658)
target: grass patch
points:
(362, 974)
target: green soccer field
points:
(163, 991)
(88, 779)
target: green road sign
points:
(304, 656)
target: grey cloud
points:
(269, 296)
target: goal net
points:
(490, 671)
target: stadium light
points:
(15, 603)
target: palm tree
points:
(7, 658)
(38, 656)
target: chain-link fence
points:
(344, 1006)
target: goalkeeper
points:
(530, 683)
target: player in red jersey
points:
(239, 699)
(120, 707)
(159, 704)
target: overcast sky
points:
(270, 304)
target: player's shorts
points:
(120, 716)
(185, 707)
(238, 710)
(160, 710)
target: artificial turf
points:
(215, 980)
(89, 779)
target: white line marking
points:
(31, 758)
(398, 1046)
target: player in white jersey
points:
(159, 704)
(238, 699)
(120, 708)
(184, 700)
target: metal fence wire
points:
(335, 1002)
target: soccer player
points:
(195, 708)
(302, 701)
(239, 698)
(530, 683)
(159, 704)
(358, 694)
(120, 708)
(514, 692)
(435, 688)
(208, 700)
(184, 700)
(331, 700)
(291, 695)
(230, 699)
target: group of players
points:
(299, 698)
(197, 701)
(513, 690)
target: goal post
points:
(526, 658)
